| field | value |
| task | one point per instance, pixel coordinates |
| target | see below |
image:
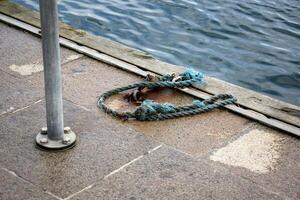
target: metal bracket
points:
(68, 141)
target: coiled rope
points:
(152, 111)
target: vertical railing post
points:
(52, 72)
(54, 136)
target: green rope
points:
(152, 111)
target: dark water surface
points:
(252, 43)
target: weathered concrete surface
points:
(169, 174)
(257, 155)
(103, 147)
(85, 79)
(14, 187)
(266, 157)
(195, 135)
(21, 57)
(28, 51)
(112, 157)
(16, 93)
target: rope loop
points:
(150, 110)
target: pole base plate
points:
(43, 142)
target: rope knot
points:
(149, 109)
(198, 103)
(190, 74)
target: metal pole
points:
(54, 136)
(52, 72)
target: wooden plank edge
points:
(136, 70)
(251, 114)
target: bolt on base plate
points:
(43, 142)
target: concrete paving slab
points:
(103, 147)
(266, 157)
(21, 52)
(85, 79)
(12, 187)
(196, 135)
(17, 93)
(169, 174)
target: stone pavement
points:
(216, 155)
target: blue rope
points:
(151, 111)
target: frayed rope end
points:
(198, 103)
(189, 74)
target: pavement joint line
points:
(29, 182)
(78, 105)
(53, 195)
(209, 162)
(26, 77)
(20, 109)
(180, 151)
(80, 56)
(76, 193)
(205, 160)
(12, 173)
(262, 187)
(9, 74)
(154, 149)
(114, 172)
(229, 140)
(17, 176)
(40, 62)
(132, 161)
(63, 63)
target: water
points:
(252, 43)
